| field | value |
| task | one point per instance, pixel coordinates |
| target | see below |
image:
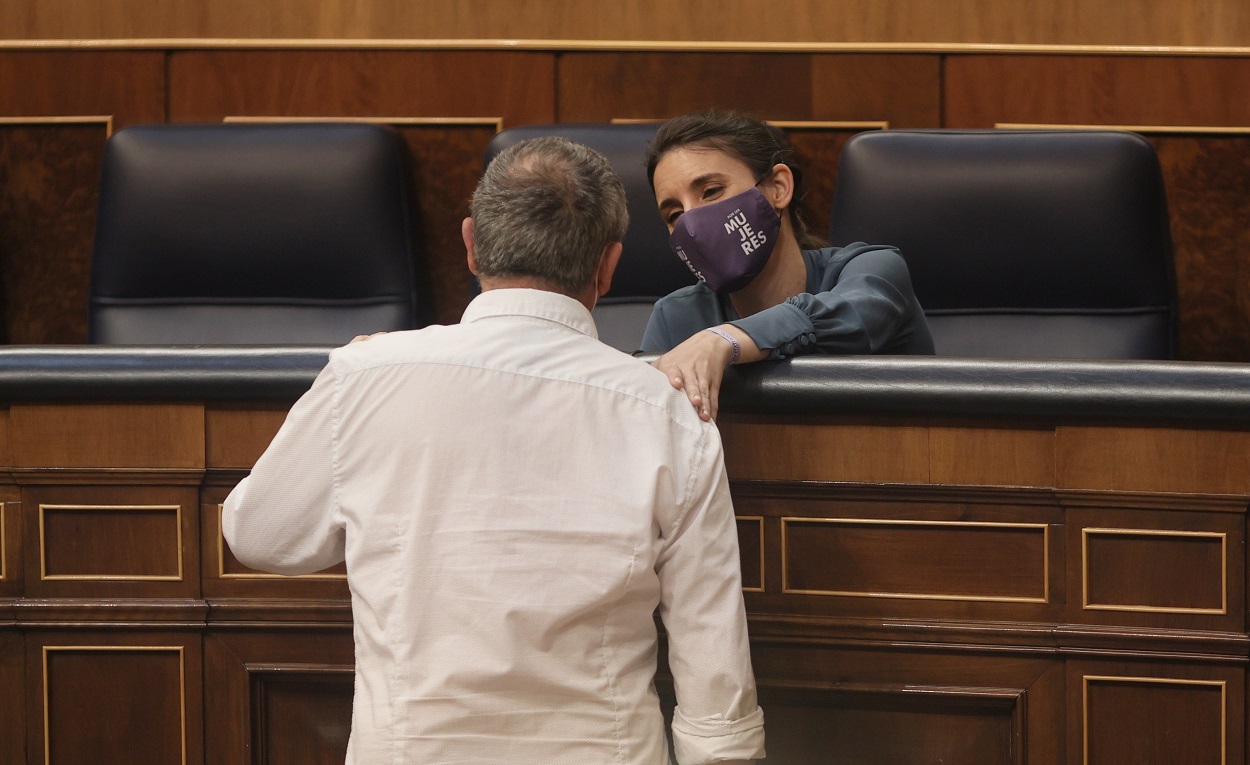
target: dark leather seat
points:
(648, 269)
(1020, 243)
(253, 234)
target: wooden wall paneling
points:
(1145, 459)
(1149, 567)
(1133, 712)
(992, 456)
(133, 698)
(57, 108)
(278, 697)
(12, 696)
(1208, 177)
(153, 548)
(1100, 22)
(108, 436)
(236, 436)
(223, 576)
(833, 451)
(11, 567)
(446, 127)
(849, 705)
(834, 551)
(49, 173)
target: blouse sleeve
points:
(859, 310)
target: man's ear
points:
(607, 267)
(466, 232)
(779, 186)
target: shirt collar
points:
(520, 301)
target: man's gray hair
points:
(546, 208)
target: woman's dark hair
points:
(756, 144)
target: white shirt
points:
(514, 500)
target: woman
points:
(728, 190)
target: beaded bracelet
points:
(732, 341)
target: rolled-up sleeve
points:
(717, 716)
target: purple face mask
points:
(727, 243)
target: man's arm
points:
(284, 516)
(717, 718)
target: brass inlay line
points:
(659, 46)
(1153, 129)
(1085, 604)
(495, 122)
(43, 554)
(787, 124)
(760, 520)
(182, 686)
(1085, 680)
(221, 561)
(4, 570)
(85, 119)
(1044, 528)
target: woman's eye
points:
(671, 220)
(711, 191)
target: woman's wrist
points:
(733, 343)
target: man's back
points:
(516, 500)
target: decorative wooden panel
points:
(846, 724)
(279, 697)
(1093, 22)
(303, 715)
(1153, 459)
(992, 455)
(135, 702)
(49, 172)
(1150, 712)
(223, 576)
(145, 543)
(152, 548)
(12, 698)
(947, 560)
(108, 436)
(834, 452)
(235, 437)
(751, 551)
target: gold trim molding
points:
(221, 562)
(760, 520)
(495, 122)
(43, 556)
(1085, 680)
(1086, 605)
(624, 46)
(1147, 129)
(4, 558)
(785, 554)
(75, 119)
(182, 686)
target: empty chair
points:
(1020, 242)
(252, 234)
(648, 269)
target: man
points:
(514, 500)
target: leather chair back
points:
(1020, 243)
(648, 269)
(253, 234)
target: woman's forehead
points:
(682, 165)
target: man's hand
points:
(698, 365)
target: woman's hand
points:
(698, 365)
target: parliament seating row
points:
(1020, 243)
